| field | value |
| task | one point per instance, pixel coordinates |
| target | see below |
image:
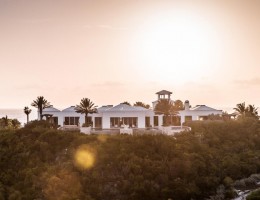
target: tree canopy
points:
(86, 107)
(40, 103)
(38, 162)
(6, 123)
(246, 111)
(141, 104)
(126, 103)
(178, 105)
(166, 107)
(27, 111)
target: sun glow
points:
(85, 157)
(177, 47)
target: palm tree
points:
(251, 111)
(126, 103)
(40, 103)
(27, 111)
(15, 123)
(178, 105)
(5, 121)
(241, 109)
(166, 107)
(86, 107)
(141, 104)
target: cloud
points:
(103, 26)
(34, 21)
(31, 87)
(109, 84)
(87, 26)
(248, 82)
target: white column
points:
(105, 122)
(141, 121)
(93, 120)
(151, 121)
(160, 120)
(182, 119)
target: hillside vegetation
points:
(37, 162)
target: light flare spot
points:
(102, 138)
(85, 157)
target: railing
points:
(70, 127)
(172, 130)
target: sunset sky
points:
(112, 51)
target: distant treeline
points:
(37, 162)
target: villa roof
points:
(203, 108)
(51, 109)
(163, 92)
(104, 108)
(69, 109)
(140, 108)
(124, 107)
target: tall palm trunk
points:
(86, 119)
(40, 113)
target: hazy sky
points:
(116, 50)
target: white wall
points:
(106, 117)
(105, 121)
(61, 116)
(196, 114)
(160, 120)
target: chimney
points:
(187, 105)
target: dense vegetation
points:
(254, 196)
(6, 123)
(37, 162)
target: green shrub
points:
(130, 167)
(254, 195)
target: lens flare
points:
(102, 138)
(85, 157)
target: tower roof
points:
(163, 92)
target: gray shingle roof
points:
(104, 108)
(124, 107)
(69, 109)
(203, 108)
(51, 109)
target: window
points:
(147, 121)
(188, 118)
(98, 122)
(155, 121)
(116, 122)
(55, 121)
(130, 121)
(71, 121)
(176, 120)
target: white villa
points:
(107, 117)
(113, 117)
(199, 112)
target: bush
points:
(254, 195)
(130, 167)
(36, 124)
